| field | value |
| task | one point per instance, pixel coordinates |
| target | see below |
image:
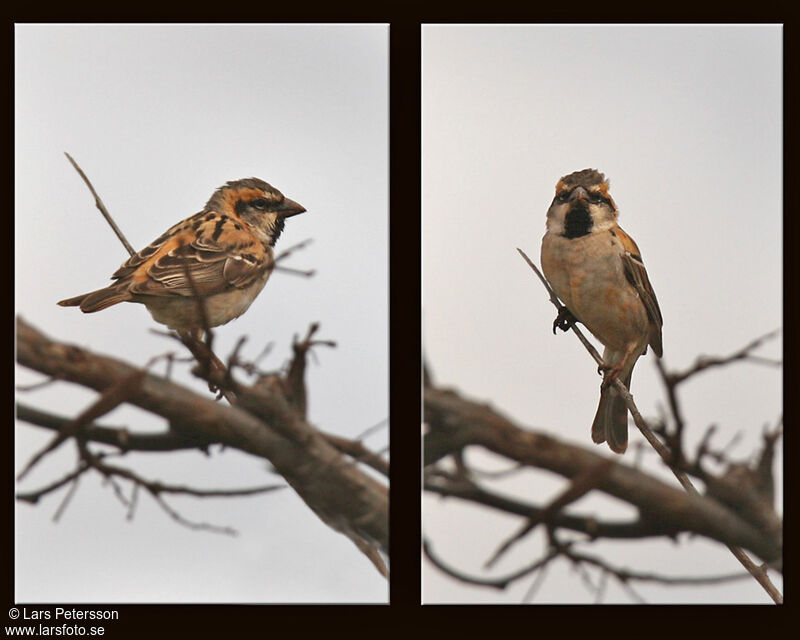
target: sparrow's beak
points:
(290, 208)
(578, 194)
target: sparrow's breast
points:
(587, 274)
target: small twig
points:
(290, 250)
(626, 575)
(496, 583)
(601, 588)
(706, 362)
(632, 592)
(67, 498)
(99, 203)
(110, 399)
(134, 501)
(34, 496)
(370, 430)
(307, 273)
(577, 488)
(538, 581)
(37, 385)
(198, 526)
(156, 489)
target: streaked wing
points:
(636, 274)
(131, 264)
(209, 253)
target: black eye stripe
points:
(261, 204)
(595, 197)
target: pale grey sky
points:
(159, 116)
(686, 122)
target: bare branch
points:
(67, 498)
(496, 583)
(118, 437)
(706, 362)
(378, 426)
(156, 489)
(198, 526)
(110, 399)
(34, 496)
(36, 386)
(292, 249)
(576, 489)
(585, 524)
(457, 422)
(262, 423)
(99, 203)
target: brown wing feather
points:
(209, 244)
(131, 264)
(214, 253)
(637, 276)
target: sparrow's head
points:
(259, 204)
(582, 205)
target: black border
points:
(404, 613)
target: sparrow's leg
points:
(613, 371)
(564, 320)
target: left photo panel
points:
(202, 313)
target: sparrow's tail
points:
(100, 299)
(611, 420)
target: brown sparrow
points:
(223, 254)
(597, 271)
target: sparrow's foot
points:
(610, 373)
(564, 320)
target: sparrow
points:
(222, 254)
(596, 269)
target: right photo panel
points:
(602, 285)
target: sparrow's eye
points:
(563, 196)
(260, 204)
(595, 198)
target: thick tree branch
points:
(455, 422)
(118, 437)
(464, 489)
(263, 423)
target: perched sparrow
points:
(597, 271)
(223, 254)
